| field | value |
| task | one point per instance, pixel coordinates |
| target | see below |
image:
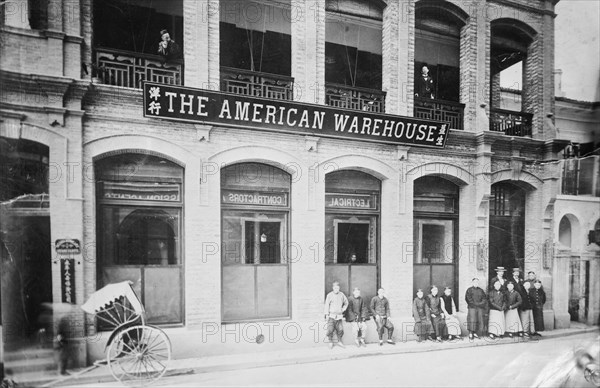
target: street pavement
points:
(506, 365)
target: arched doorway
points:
(139, 230)
(351, 231)
(255, 230)
(26, 273)
(507, 227)
(435, 233)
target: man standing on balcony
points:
(424, 84)
(167, 47)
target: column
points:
(398, 56)
(308, 50)
(201, 43)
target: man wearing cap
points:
(167, 47)
(499, 278)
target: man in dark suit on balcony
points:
(424, 84)
(167, 47)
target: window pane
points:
(272, 291)
(162, 294)
(353, 243)
(262, 237)
(140, 236)
(270, 243)
(434, 241)
(347, 236)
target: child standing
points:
(421, 315)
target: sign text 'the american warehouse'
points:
(204, 106)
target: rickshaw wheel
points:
(139, 355)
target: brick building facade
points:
(492, 170)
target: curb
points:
(322, 355)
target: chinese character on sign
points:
(67, 267)
(154, 108)
(154, 93)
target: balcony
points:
(256, 84)
(440, 110)
(348, 97)
(510, 123)
(129, 69)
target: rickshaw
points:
(136, 353)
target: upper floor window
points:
(511, 66)
(581, 176)
(137, 40)
(256, 48)
(437, 50)
(353, 55)
(256, 36)
(438, 29)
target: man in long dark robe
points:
(538, 298)
(476, 303)
(437, 316)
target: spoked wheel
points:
(139, 355)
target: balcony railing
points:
(510, 122)
(440, 110)
(129, 69)
(349, 97)
(256, 84)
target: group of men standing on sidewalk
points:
(512, 306)
(357, 313)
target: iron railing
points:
(349, 97)
(510, 122)
(129, 69)
(256, 84)
(440, 110)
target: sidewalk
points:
(299, 356)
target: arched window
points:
(255, 202)
(564, 232)
(438, 29)
(352, 208)
(511, 64)
(139, 230)
(435, 233)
